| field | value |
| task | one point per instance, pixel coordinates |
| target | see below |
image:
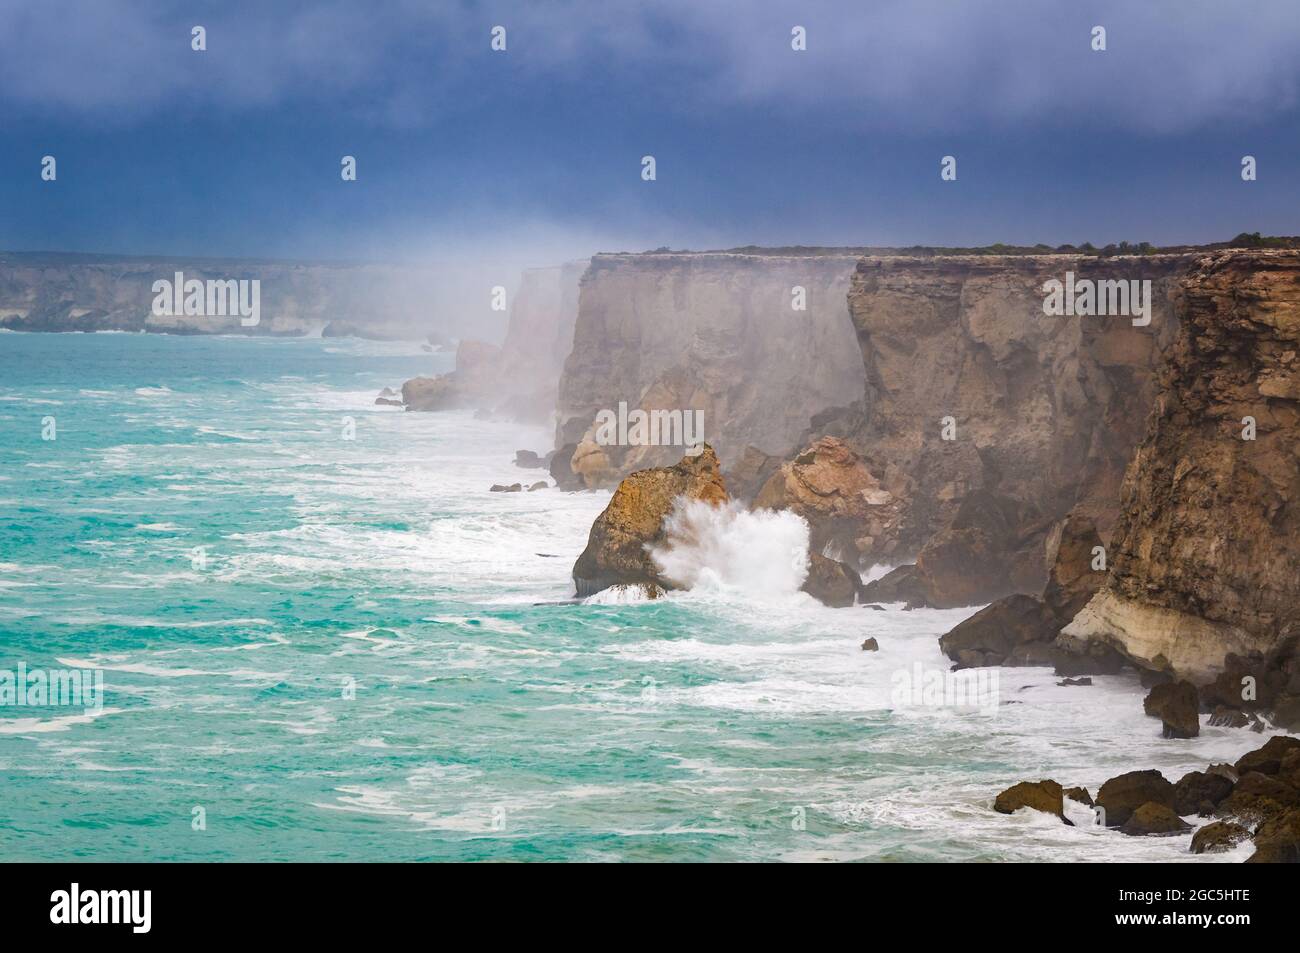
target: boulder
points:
(898, 585)
(1258, 797)
(831, 582)
(1268, 759)
(618, 546)
(1154, 819)
(844, 505)
(1218, 837)
(1176, 705)
(1003, 633)
(1045, 796)
(1199, 792)
(431, 393)
(1122, 795)
(871, 645)
(528, 459)
(1277, 840)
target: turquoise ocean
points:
(322, 649)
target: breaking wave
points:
(761, 553)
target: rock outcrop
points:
(618, 548)
(718, 333)
(1205, 557)
(991, 420)
(1177, 706)
(830, 487)
(1022, 629)
(1045, 796)
(1121, 796)
(1016, 630)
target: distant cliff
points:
(521, 377)
(70, 292)
(1207, 552)
(756, 342)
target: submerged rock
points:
(502, 488)
(618, 547)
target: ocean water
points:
(334, 649)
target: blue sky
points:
(462, 151)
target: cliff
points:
(1206, 555)
(717, 333)
(520, 378)
(70, 292)
(1042, 411)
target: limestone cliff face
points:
(715, 332)
(67, 292)
(1206, 556)
(539, 338)
(520, 378)
(1046, 409)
